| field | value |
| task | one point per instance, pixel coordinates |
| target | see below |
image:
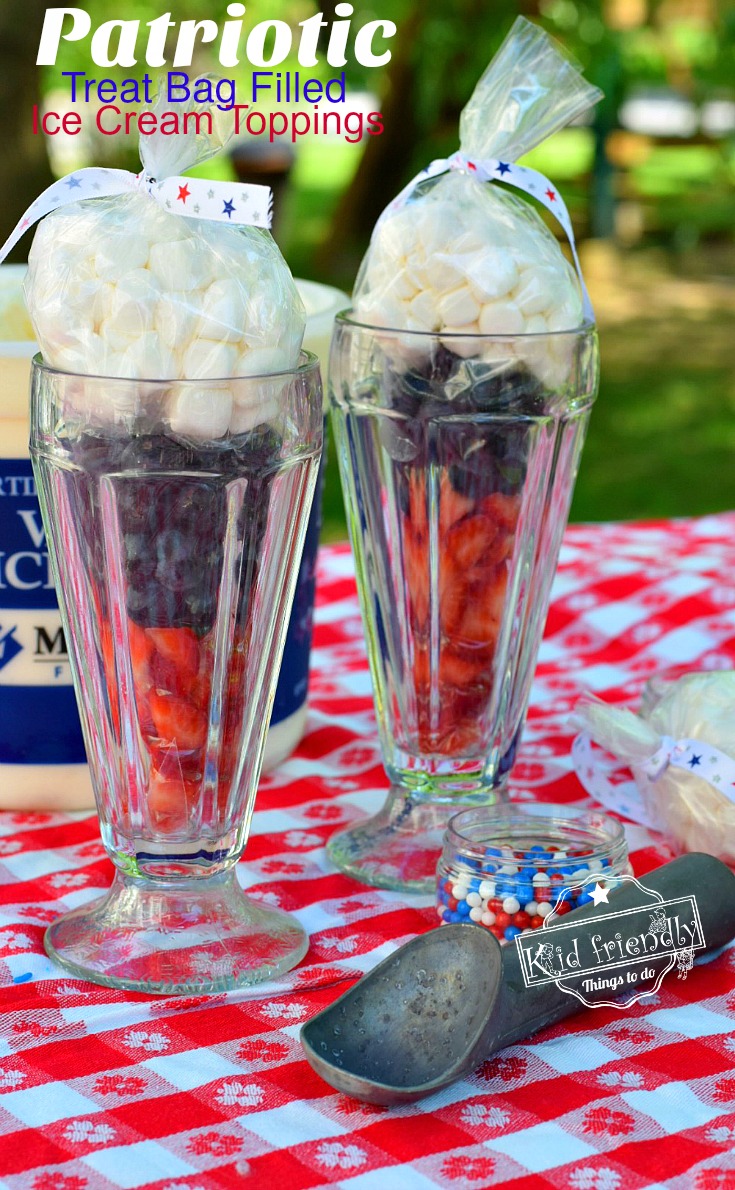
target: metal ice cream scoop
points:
(447, 1000)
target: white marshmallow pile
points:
(118, 287)
(465, 259)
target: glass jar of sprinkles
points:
(507, 867)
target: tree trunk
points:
(384, 161)
(24, 165)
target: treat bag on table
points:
(460, 386)
(175, 433)
(680, 749)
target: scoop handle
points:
(520, 1010)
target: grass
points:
(662, 435)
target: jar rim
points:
(347, 318)
(473, 831)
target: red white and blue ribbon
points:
(521, 177)
(596, 773)
(194, 198)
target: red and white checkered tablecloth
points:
(101, 1090)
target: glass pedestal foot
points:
(184, 938)
(399, 847)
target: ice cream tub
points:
(42, 756)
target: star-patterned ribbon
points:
(529, 181)
(194, 198)
(595, 773)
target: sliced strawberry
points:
(417, 504)
(168, 678)
(180, 646)
(416, 572)
(421, 667)
(458, 667)
(502, 509)
(201, 690)
(141, 651)
(470, 540)
(483, 613)
(172, 765)
(459, 739)
(178, 721)
(108, 662)
(453, 506)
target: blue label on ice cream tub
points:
(39, 722)
(293, 680)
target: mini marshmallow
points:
(469, 242)
(417, 273)
(175, 320)
(536, 291)
(202, 413)
(423, 310)
(459, 308)
(132, 249)
(206, 359)
(463, 345)
(101, 302)
(443, 272)
(501, 318)
(137, 285)
(378, 275)
(400, 286)
(389, 313)
(436, 226)
(147, 359)
(115, 340)
(260, 361)
(128, 316)
(567, 315)
(536, 325)
(246, 417)
(397, 237)
(492, 274)
(86, 354)
(178, 262)
(224, 311)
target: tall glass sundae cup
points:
(175, 559)
(458, 455)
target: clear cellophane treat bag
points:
(127, 286)
(680, 748)
(456, 252)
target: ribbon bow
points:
(595, 772)
(194, 198)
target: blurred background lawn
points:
(650, 183)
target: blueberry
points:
(259, 449)
(135, 546)
(158, 453)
